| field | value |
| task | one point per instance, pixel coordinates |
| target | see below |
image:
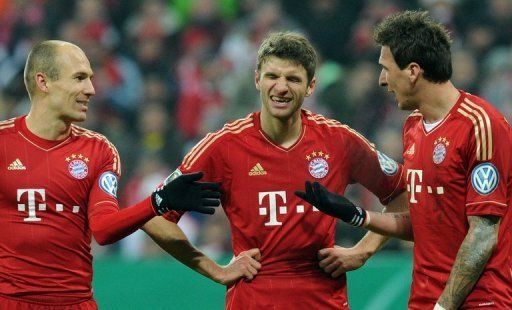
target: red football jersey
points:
(49, 190)
(258, 180)
(458, 169)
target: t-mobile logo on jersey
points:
(272, 209)
(31, 194)
(414, 180)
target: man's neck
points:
(282, 132)
(437, 100)
(47, 127)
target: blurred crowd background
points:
(169, 71)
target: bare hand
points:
(245, 265)
(337, 260)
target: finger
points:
(331, 267)
(309, 190)
(210, 194)
(302, 195)
(205, 210)
(326, 262)
(319, 191)
(323, 253)
(191, 177)
(210, 202)
(338, 272)
(255, 264)
(212, 186)
(254, 253)
(252, 270)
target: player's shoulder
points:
(233, 130)
(8, 126)
(88, 134)
(220, 139)
(414, 117)
(321, 122)
(474, 109)
(327, 125)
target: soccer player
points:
(458, 170)
(260, 160)
(59, 184)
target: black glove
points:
(332, 204)
(184, 193)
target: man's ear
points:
(41, 80)
(257, 79)
(311, 87)
(415, 71)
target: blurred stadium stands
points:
(169, 71)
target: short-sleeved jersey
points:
(258, 180)
(48, 191)
(458, 169)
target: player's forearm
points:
(111, 224)
(373, 241)
(396, 225)
(172, 240)
(471, 259)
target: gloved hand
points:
(185, 193)
(333, 204)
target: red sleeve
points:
(373, 169)
(489, 163)
(109, 224)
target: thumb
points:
(254, 253)
(191, 177)
(301, 195)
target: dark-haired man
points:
(456, 148)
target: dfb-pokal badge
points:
(440, 146)
(317, 164)
(77, 166)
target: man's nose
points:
(382, 79)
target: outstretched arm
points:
(338, 260)
(390, 224)
(172, 239)
(471, 259)
(185, 193)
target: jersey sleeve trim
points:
(79, 131)
(396, 191)
(104, 202)
(482, 128)
(322, 120)
(233, 128)
(7, 123)
(486, 202)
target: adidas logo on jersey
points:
(257, 170)
(16, 165)
(410, 151)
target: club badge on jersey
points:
(440, 148)
(77, 166)
(387, 165)
(485, 178)
(108, 183)
(317, 164)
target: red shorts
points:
(304, 292)
(10, 304)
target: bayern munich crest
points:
(440, 146)
(318, 166)
(77, 166)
